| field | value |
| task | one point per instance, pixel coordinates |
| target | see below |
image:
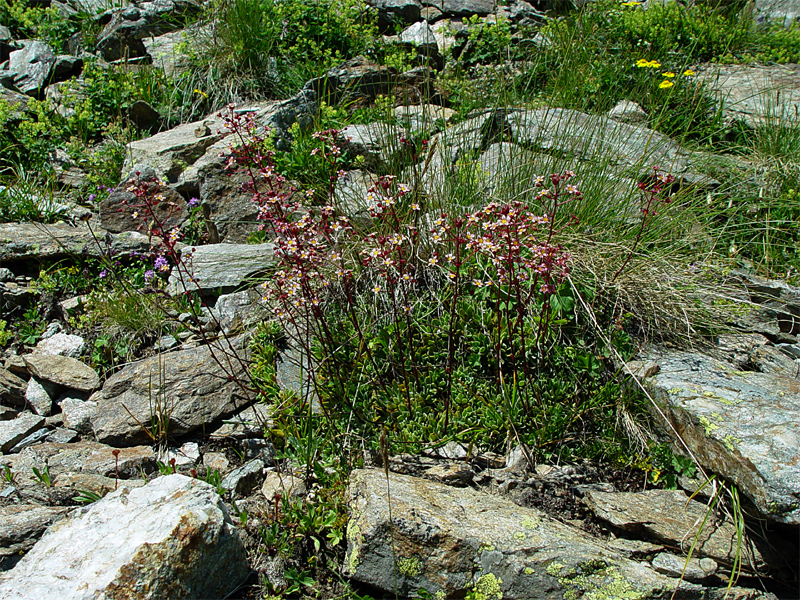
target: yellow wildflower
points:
(665, 84)
(688, 72)
(669, 74)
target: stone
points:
(758, 95)
(378, 143)
(421, 36)
(423, 117)
(91, 482)
(781, 12)
(283, 485)
(628, 112)
(31, 67)
(186, 455)
(230, 208)
(12, 389)
(237, 311)
(170, 152)
(78, 414)
(61, 344)
(143, 116)
(741, 425)
(64, 371)
(672, 518)
(117, 210)
(15, 430)
(172, 538)
(695, 569)
(37, 436)
(34, 241)
(396, 12)
(39, 396)
(183, 390)
(240, 482)
(465, 8)
(245, 423)
(454, 541)
(21, 525)
(356, 78)
(225, 267)
(216, 461)
(164, 50)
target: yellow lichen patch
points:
(519, 535)
(554, 569)
(486, 547)
(354, 540)
(529, 571)
(486, 588)
(598, 581)
(530, 522)
(410, 567)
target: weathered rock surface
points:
(31, 66)
(781, 12)
(670, 517)
(63, 370)
(172, 538)
(186, 389)
(26, 241)
(755, 94)
(742, 425)
(223, 267)
(118, 211)
(61, 344)
(16, 430)
(455, 540)
(240, 482)
(21, 525)
(12, 389)
(39, 396)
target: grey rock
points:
(186, 455)
(27, 241)
(17, 102)
(21, 526)
(283, 485)
(34, 438)
(237, 311)
(91, 482)
(465, 8)
(693, 569)
(60, 435)
(230, 208)
(628, 112)
(782, 12)
(188, 389)
(246, 423)
(259, 448)
(12, 389)
(224, 267)
(66, 66)
(14, 431)
(394, 12)
(456, 540)
(6, 275)
(165, 52)
(64, 371)
(355, 78)
(78, 414)
(741, 425)
(758, 95)
(170, 152)
(172, 537)
(378, 143)
(216, 461)
(143, 115)
(671, 517)
(39, 396)
(118, 208)
(423, 117)
(82, 457)
(61, 344)
(421, 36)
(240, 482)
(31, 66)
(6, 413)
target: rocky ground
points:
(457, 522)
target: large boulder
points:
(63, 370)
(453, 541)
(222, 267)
(20, 526)
(171, 394)
(31, 67)
(742, 425)
(172, 538)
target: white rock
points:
(172, 538)
(78, 413)
(39, 396)
(61, 344)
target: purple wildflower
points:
(194, 202)
(148, 275)
(103, 274)
(161, 264)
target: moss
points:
(410, 567)
(486, 588)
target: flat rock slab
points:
(18, 429)
(64, 459)
(745, 426)
(757, 95)
(29, 241)
(172, 538)
(187, 389)
(12, 389)
(22, 524)
(222, 267)
(63, 370)
(670, 517)
(453, 541)
(588, 137)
